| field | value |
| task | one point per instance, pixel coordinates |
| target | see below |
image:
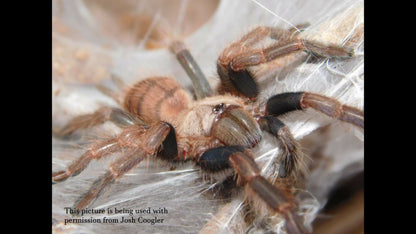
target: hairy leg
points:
(96, 151)
(248, 173)
(145, 145)
(286, 102)
(291, 156)
(233, 64)
(116, 115)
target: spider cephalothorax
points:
(160, 119)
(221, 117)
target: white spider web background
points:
(181, 191)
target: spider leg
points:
(232, 63)
(116, 115)
(297, 29)
(286, 102)
(233, 71)
(199, 81)
(148, 145)
(242, 162)
(127, 139)
(260, 32)
(291, 157)
(316, 48)
(243, 80)
(96, 151)
(258, 56)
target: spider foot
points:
(60, 176)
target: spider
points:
(160, 119)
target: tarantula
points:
(160, 119)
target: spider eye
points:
(218, 108)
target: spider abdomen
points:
(157, 98)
